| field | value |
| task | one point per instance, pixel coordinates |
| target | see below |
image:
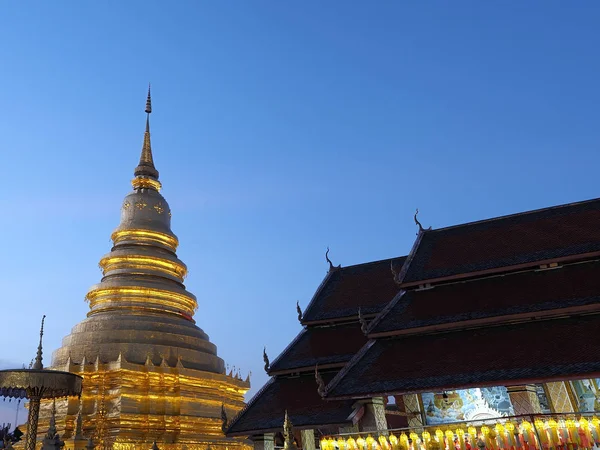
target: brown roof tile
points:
(573, 285)
(368, 286)
(321, 345)
(534, 351)
(297, 395)
(525, 238)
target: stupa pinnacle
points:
(145, 169)
(150, 374)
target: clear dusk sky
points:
(279, 128)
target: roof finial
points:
(37, 365)
(266, 360)
(224, 420)
(145, 169)
(331, 266)
(421, 229)
(299, 311)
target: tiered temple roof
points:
(488, 303)
(558, 234)
(330, 337)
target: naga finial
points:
(331, 266)
(37, 365)
(266, 360)
(223, 418)
(363, 322)
(417, 221)
(320, 382)
(299, 311)
(421, 229)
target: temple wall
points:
(128, 406)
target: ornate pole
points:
(34, 396)
(32, 421)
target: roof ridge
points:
(340, 375)
(409, 258)
(374, 262)
(287, 348)
(385, 311)
(507, 216)
(318, 291)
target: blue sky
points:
(279, 128)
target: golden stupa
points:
(149, 373)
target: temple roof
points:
(527, 352)
(368, 286)
(520, 240)
(322, 345)
(517, 294)
(298, 395)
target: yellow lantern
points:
(461, 438)
(383, 442)
(414, 437)
(370, 441)
(360, 442)
(472, 435)
(450, 440)
(351, 443)
(439, 436)
(403, 441)
(393, 441)
(324, 444)
(341, 443)
(426, 435)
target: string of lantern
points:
(538, 433)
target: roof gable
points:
(368, 286)
(520, 239)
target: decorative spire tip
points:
(148, 101)
(38, 357)
(146, 175)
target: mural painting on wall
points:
(466, 404)
(588, 395)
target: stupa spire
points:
(146, 175)
(38, 358)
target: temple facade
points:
(149, 373)
(482, 336)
